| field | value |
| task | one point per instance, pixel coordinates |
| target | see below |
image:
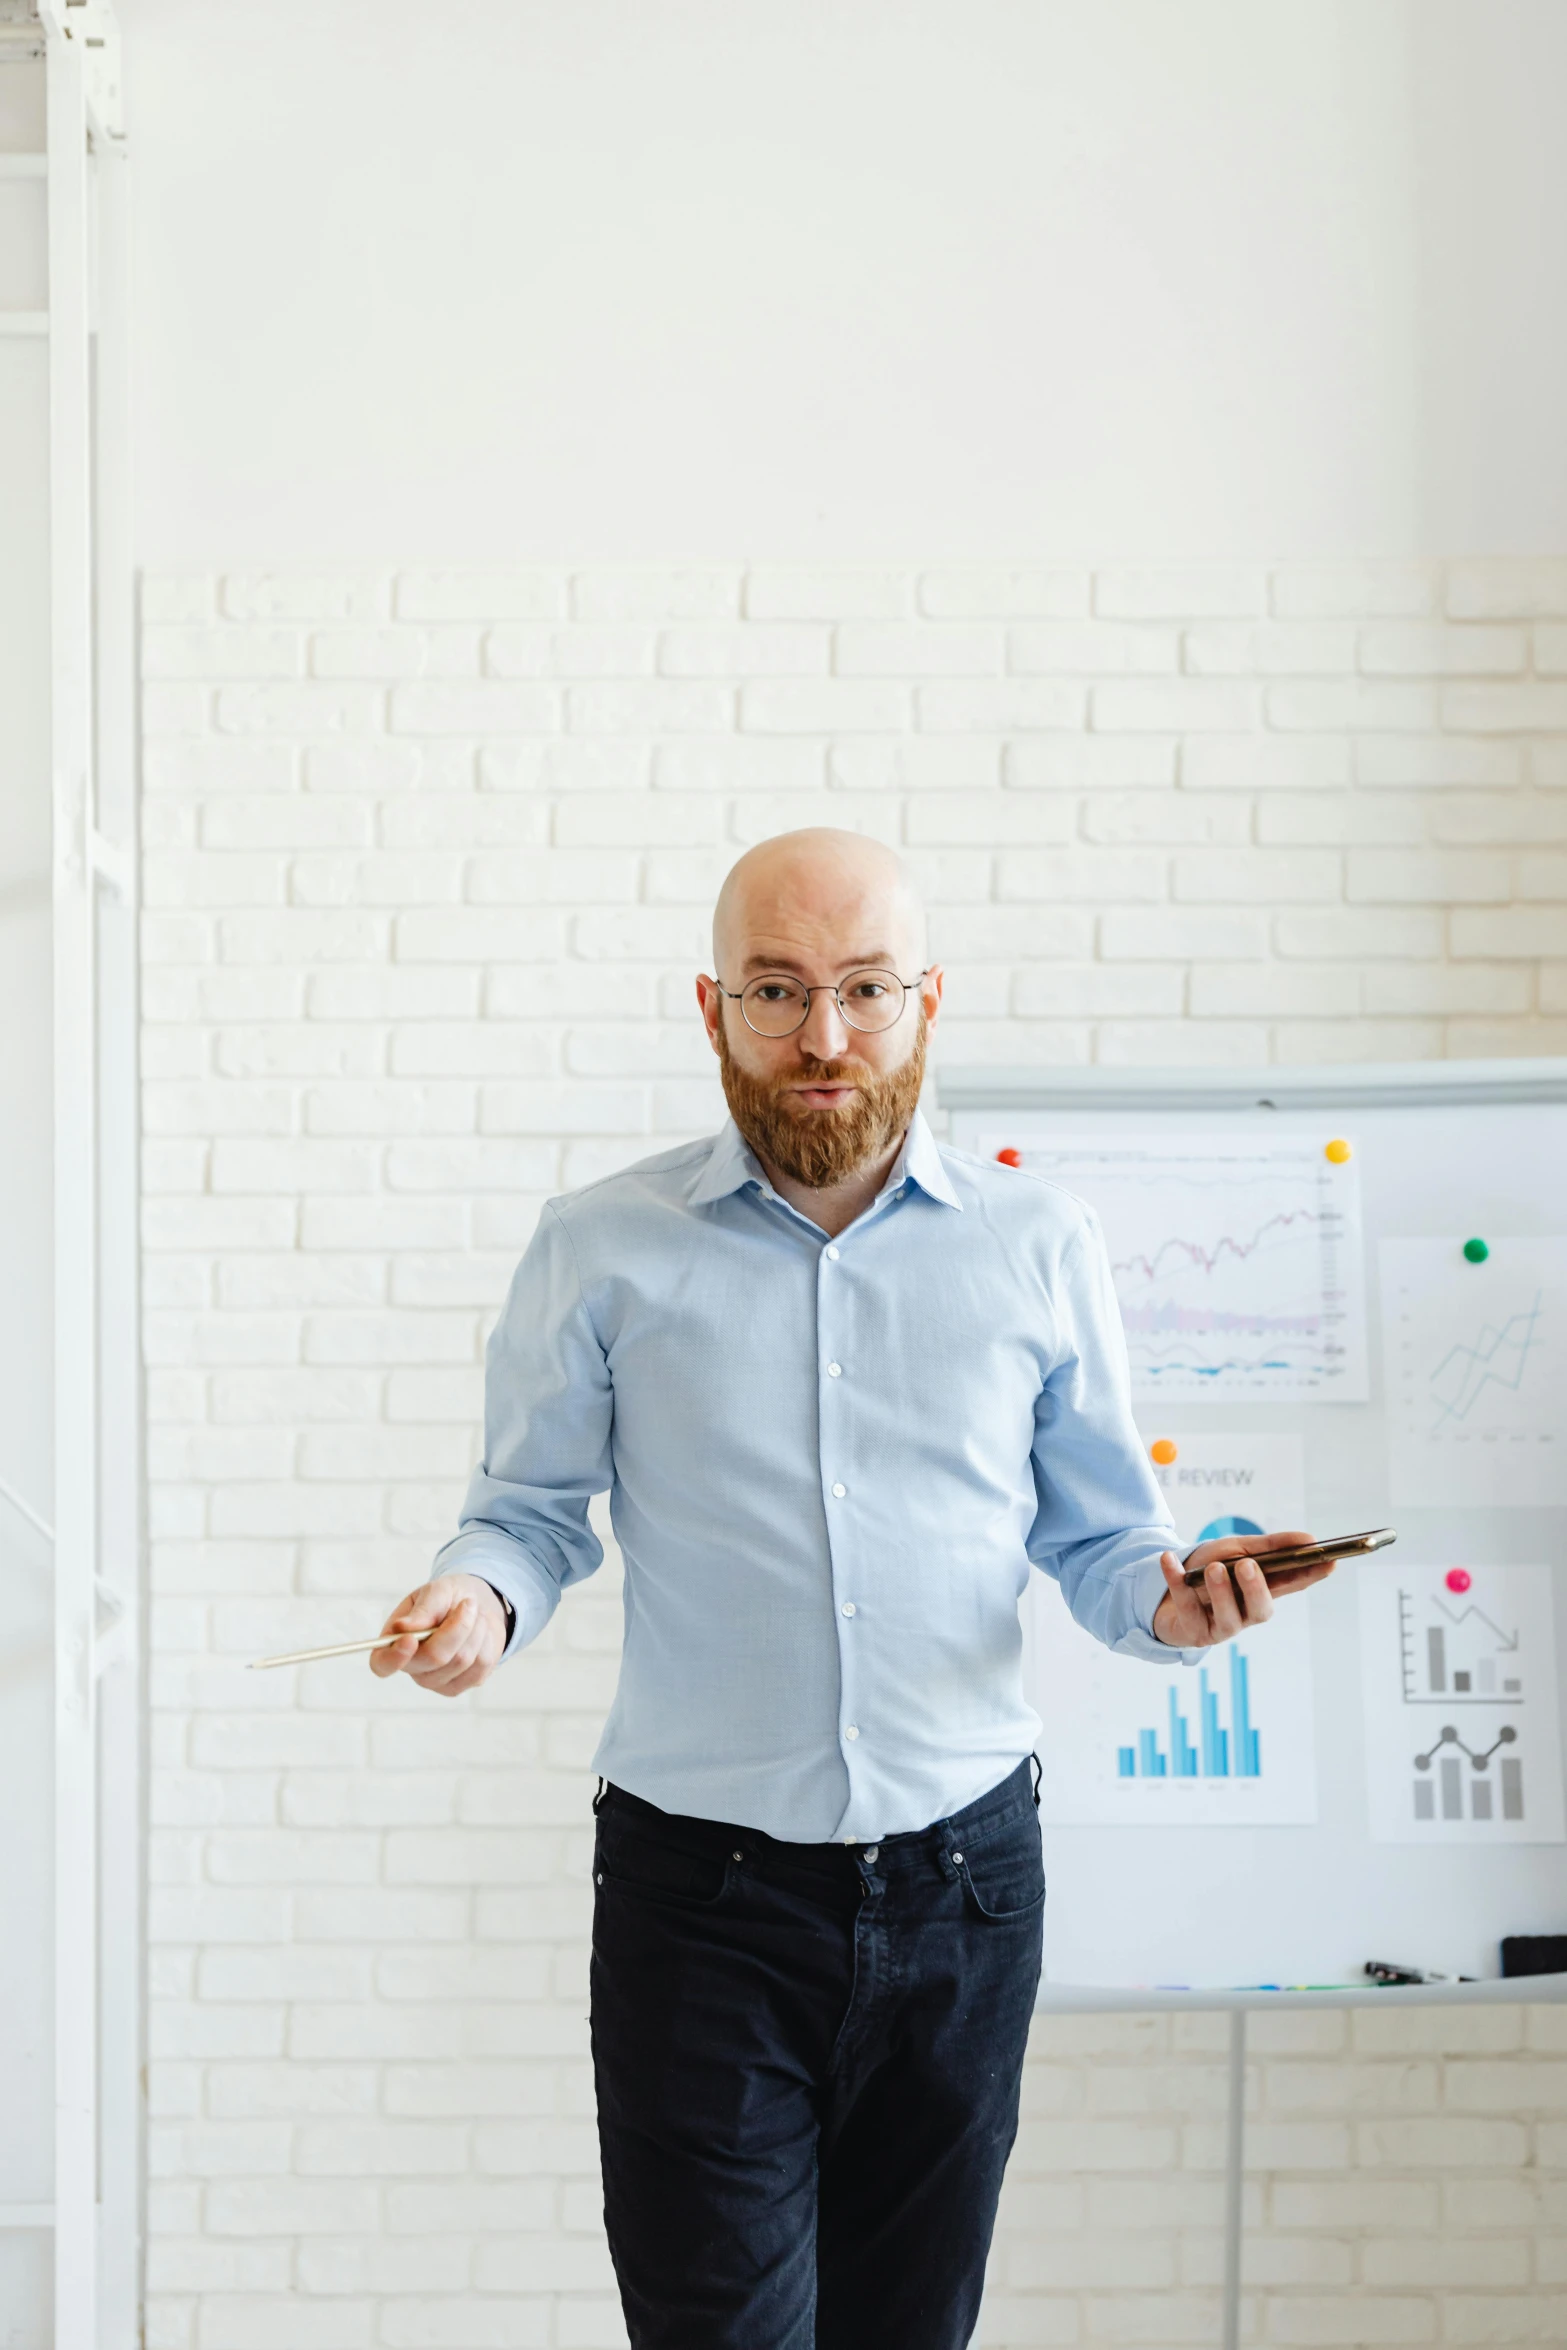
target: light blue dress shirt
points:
(830, 1464)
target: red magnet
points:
(1010, 1158)
(1458, 1579)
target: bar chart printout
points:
(1463, 1743)
(1129, 1743)
(1218, 1754)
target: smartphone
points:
(1313, 1554)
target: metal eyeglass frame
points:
(823, 987)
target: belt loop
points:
(1039, 1772)
(603, 1783)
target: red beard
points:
(821, 1148)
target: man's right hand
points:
(466, 1649)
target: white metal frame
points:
(97, 1534)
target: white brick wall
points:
(428, 861)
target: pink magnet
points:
(1458, 1578)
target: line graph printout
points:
(1476, 1371)
(1237, 1263)
(1463, 1741)
(1224, 1743)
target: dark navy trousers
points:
(807, 2059)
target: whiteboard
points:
(1441, 1153)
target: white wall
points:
(588, 279)
(428, 864)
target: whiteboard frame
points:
(1390, 1085)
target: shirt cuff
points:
(1142, 1640)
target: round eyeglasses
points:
(775, 1004)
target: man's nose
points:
(825, 1034)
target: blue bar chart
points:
(1218, 1753)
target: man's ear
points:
(710, 997)
(930, 993)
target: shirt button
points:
(835, 1370)
(832, 1252)
(848, 1607)
(839, 1491)
(871, 1850)
(852, 1731)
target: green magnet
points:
(1476, 1251)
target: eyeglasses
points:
(774, 1004)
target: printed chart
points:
(1476, 1371)
(1463, 1744)
(1227, 1741)
(1237, 1264)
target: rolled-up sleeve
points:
(548, 1412)
(1102, 1521)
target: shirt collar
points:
(732, 1163)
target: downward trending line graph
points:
(1236, 1265)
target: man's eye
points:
(773, 991)
(867, 991)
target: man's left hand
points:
(1200, 1615)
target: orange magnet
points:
(1163, 1450)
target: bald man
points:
(845, 1387)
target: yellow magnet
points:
(1338, 1150)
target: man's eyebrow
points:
(874, 959)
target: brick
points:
(1089, 763)
(1091, 648)
(992, 592)
(606, 651)
(1056, 932)
(215, 653)
(1353, 2319)
(1213, 876)
(273, 595)
(658, 706)
(1274, 989)
(753, 649)
(480, 595)
(1505, 709)
(1179, 706)
(739, 766)
(1098, 876)
(1550, 651)
(1522, 588)
(1098, 989)
(798, 593)
(987, 819)
(1434, 876)
(1173, 817)
(1520, 2317)
(653, 594)
(1416, 762)
(479, 934)
(477, 706)
(1447, 987)
(368, 652)
(1004, 706)
(1525, 931)
(894, 649)
(861, 769)
(1230, 649)
(465, 820)
(1264, 763)
(823, 706)
(1438, 2141)
(1175, 934)
(207, 766)
(1354, 706)
(307, 708)
(1133, 1044)
(1343, 819)
(1414, 651)
(1318, 591)
(1343, 935)
(285, 821)
(1219, 592)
